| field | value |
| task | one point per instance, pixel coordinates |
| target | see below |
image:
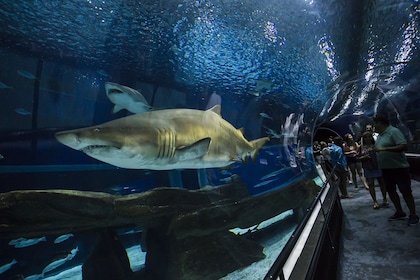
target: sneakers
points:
(398, 216)
(412, 220)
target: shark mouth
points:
(90, 148)
(114, 90)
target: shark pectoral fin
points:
(257, 145)
(116, 109)
(195, 150)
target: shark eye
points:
(96, 130)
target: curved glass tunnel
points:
(181, 194)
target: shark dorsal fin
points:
(217, 109)
(116, 109)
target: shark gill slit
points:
(166, 143)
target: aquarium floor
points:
(374, 248)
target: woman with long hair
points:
(367, 156)
(351, 150)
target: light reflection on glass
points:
(408, 44)
(326, 48)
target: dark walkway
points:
(372, 247)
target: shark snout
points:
(69, 139)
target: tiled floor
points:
(373, 247)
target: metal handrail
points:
(276, 269)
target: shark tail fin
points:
(257, 144)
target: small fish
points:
(4, 86)
(264, 183)
(132, 231)
(275, 173)
(262, 225)
(22, 111)
(33, 277)
(273, 133)
(266, 116)
(264, 85)
(263, 161)
(63, 238)
(103, 73)
(23, 242)
(56, 263)
(254, 93)
(226, 179)
(26, 74)
(117, 188)
(7, 266)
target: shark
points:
(164, 140)
(126, 98)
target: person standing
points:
(351, 149)
(390, 146)
(367, 156)
(339, 160)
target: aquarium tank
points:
(173, 139)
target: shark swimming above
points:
(126, 98)
(164, 140)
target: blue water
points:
(269, 64)
(57, 56)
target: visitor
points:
(339, 160)
(351, 149)
(390, 146)
(367, 156)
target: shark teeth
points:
(94, 147)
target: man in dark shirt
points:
(390, 146)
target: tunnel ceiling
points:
(300, 51)
(383, 76)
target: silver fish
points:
(275, 173)
(24, 242)
(63, 238)
(266, 116)
(7, 266)
(264, 183)
(22, 111)
(4, 86)
(54, 264)
(26, 74)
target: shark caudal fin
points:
(257, 144)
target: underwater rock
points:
(34, 213)
(245, 212)
(108, 261)
(184, 229)
(189, 258)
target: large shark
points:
(126, 98)
(164, 140)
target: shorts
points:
(400, 177)
(372, 173)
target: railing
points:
(286, 261)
